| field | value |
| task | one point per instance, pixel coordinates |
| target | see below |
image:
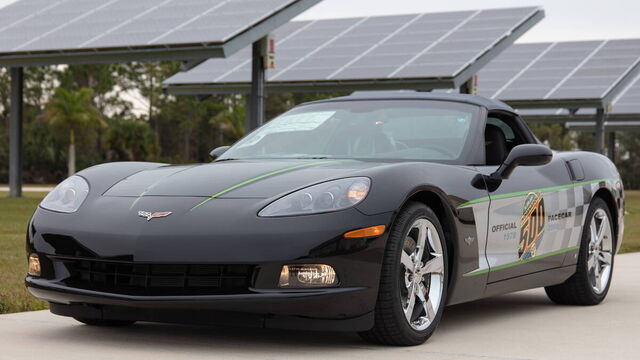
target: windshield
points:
(420, 130)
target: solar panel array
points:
(562, 70)
(626, 103)
(435, 45)
(52, 25)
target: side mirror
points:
(523, 155)
(217, 152)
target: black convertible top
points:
(489, 104)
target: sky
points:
(565, 20)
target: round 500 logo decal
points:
(531, 225)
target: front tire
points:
(413, 281)
(590, 284)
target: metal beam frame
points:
(470, 86)
(609, 127)
(258, 81)
(425, 84)
(556, 103)
(15, 132)
(566, 118)
(601, 116)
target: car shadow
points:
(511, 306)
(260, 342)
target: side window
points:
(501, 135)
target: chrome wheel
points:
(600, 252)
(423, 276)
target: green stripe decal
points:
(521, 262)
(252, 180)
(521, 193)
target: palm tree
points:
(72, 110)
(230, 123)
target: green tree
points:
(554, 135)
(629, 163)
(230, 122)
(72, 111)
(129, 140)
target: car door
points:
(528, 212)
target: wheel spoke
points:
(591, 262)
(426, 303)
(406, 260)
(605, 258)
(602, 231)
(411, 303)
(422, 240)
(434, 241)
(593, 231)
(433, 266)
(598, 280)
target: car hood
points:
(236, 178)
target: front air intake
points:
(156, 279)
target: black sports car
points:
(366, 213)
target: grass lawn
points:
(631, 242)
(15, 213)
(14, 216)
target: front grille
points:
(154, 279)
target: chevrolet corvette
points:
(367, 213)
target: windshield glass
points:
(388, 129)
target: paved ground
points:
(517, 326)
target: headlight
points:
(67, 196)
(326, 197)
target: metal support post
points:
(258, 79)
(612, 146)
(470, 86)
(600, 119)
(15, 133)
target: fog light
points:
(34, 265)
(307, 275)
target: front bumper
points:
(268, 309)
(264, 244)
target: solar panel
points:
(46, 28)
(567, 74)
(625, 106)
(628, 102)
(421, 51)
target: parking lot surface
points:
(524, 325)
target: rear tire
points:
(590, 284)
(413, 281)
(105, 323)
